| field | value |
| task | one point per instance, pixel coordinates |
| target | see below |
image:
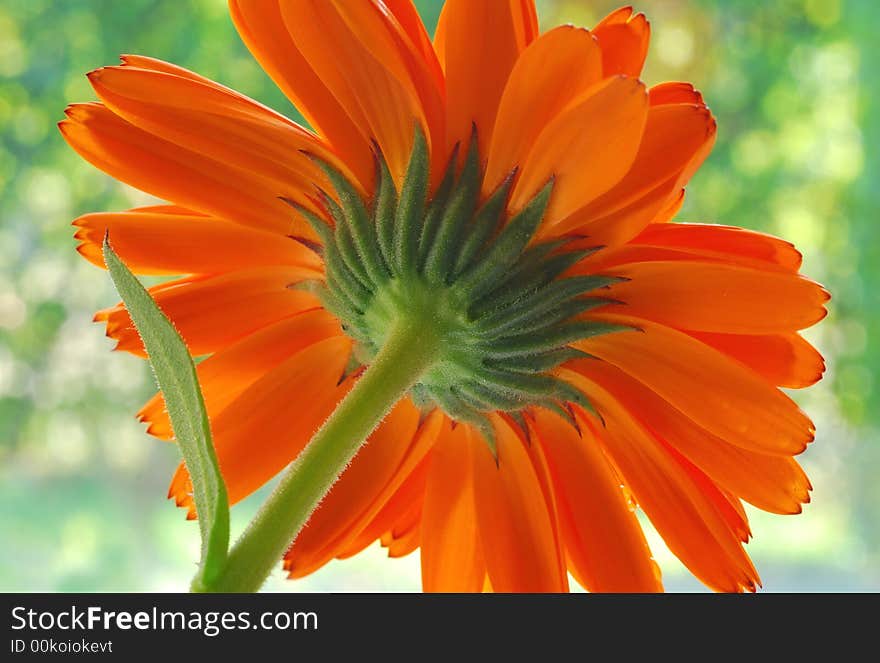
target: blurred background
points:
(795, 85)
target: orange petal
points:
(358, 486)
(478, 42)
(452, 559)
(259, 433)
(515, 524)
(784, 360)
(608, 260)
(214, 121)
(405, 536)
(714, 297)
(391, 500)
(675, 136)
(709, 240)
(407, 486)
(616, 227)
(411, 23)
(410, 490)
(542, 471)
(175, 241)
(212, 312)
(684, 513)
(676, 139)
(555, 69)
(670, 209)
(726, 503)
(674, 92)
(226, 374)
(364, 57)
(181, 491)
(604, 542)
(169, 171)
(261, 27)
(624, 39)
(716, 392)
(397, 38)
(772, 483)
(737, 511)
(154, 64)
(587, 148)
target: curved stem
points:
(409, 350)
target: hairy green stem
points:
(409, 350)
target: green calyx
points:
(497, 306)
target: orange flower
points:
(595, 356)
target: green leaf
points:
(176, 374)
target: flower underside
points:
(497, 305)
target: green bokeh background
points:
(795, 87)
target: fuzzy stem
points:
(409, 350)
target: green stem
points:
(409, 350)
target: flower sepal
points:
(465, 270)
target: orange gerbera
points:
(515, 190)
